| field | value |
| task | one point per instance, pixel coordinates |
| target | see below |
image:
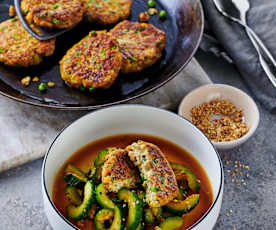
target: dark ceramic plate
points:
(183, 27)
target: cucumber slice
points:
(183, 173)
(100, 159)
(149, 217)
(74, 176)
(135, 208)
(106, 215)
(180, 207)
(172, 223)
(73, 195)
(102, 198)
(81, 212)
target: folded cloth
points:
(233, 38)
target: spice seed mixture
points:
(220, 120)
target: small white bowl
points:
(237, 97)
(132, 119)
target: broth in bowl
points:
(133, 181)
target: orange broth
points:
(85, 157)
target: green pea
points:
(55, 6)
(151, 3)
(91, 89)
(55, 21)
(42, 86)
(162, 14)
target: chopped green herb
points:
(132, 173)
(82, 88)
(2, 50)
(154, 161)
(55, 6)
(136, 31)
(26, 11)
(162, 179)
(91, 89)
(158, 44)
(14, 19)
(98, 4)
(42, 15)
(100, 66)
(85, 45)
(3, 29)
(154, 189)
(144, 158)
(132, 60)
(120, 7)
(114, 47)
(55, 21)
(15, 37)
(42, 86)
(92, 59)
(162, 14)
(115, 2)
(77, 54)
(90, 2)
(125, 30)
(151, 3)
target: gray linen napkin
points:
(231, 36)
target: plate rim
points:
(94, 107)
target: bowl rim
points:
(241, 92)
(44, 189)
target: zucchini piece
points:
(157, 212)
(135, 208)
(102, 198)
(172, 223)
(73, 195)
(149, 217)
(180, 207)
(74, 176)
(100, 159)
(106, 215)
(81, 212)
(186, 174)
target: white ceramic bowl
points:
(237, 97)
(132, 119)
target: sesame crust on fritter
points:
(107, 12)
(119, 171)
(140, 44)
(159, 179)
(95, 62)
(53, 13)
(19, 48)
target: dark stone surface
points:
(253, 205)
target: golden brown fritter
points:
(140, 44)
(95, 62)
(53, 13)
(119, 171)
(19, 48)
(107, 12)
(159, 179)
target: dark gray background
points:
(253, 206)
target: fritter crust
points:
(53, 13)
(95, 62)
(159, 179)
(107, 12)
(19, 48)
(140, 44)
(119, 171)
